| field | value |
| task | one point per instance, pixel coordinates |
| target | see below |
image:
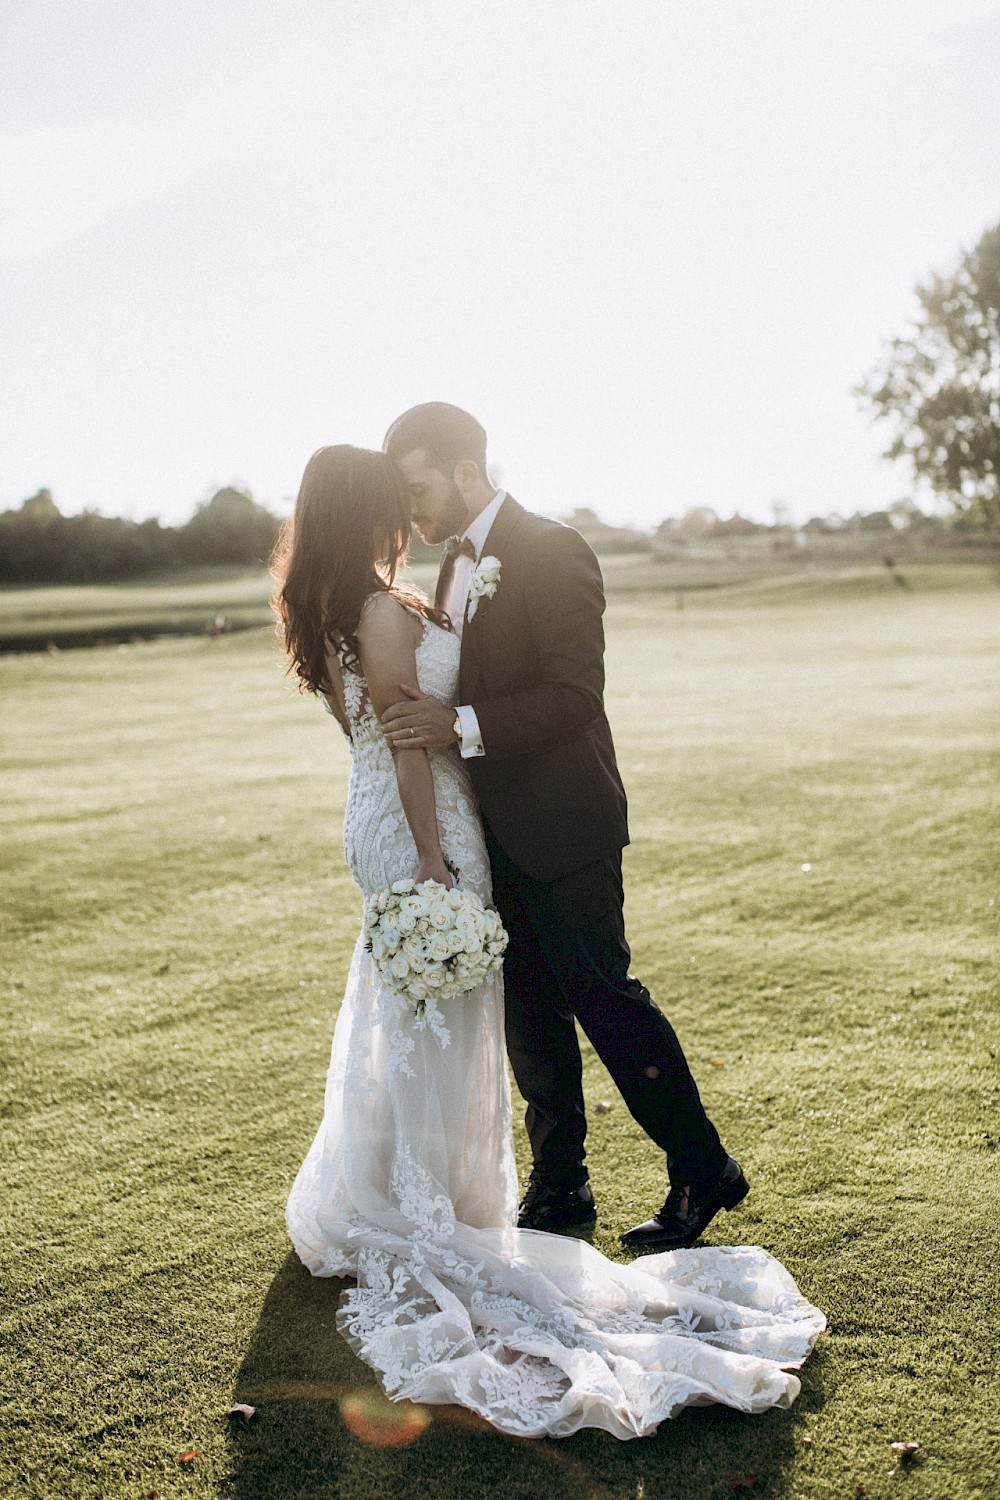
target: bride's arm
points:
(387, 651)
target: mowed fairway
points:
(812, 897)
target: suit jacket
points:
(532, 667)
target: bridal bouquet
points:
(432, 943)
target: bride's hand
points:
(434, 869)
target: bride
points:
(410, 1185)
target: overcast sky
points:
(650, 243)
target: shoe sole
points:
(731, 1197)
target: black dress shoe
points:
(688, 1211)
(551, 1206)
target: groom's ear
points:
(466, 475)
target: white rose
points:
(400, 967)
(402, 887)
(439, 948)
(456, 941)
(465, 923)
(390, 936)
(416, 906)
(412, 943)
(440, 917)
(405, 922)
(485, 578)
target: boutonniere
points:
(484, 582)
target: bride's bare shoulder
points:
(386, 620)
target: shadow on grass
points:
(298, 1368)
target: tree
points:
(940, 387)
(605, 539)
(229, 528)
(698, 520)
(40, 507)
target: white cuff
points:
(471, 742)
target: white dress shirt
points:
(456, 602)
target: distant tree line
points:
(40, 545)
(702, 526)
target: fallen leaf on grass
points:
(905, 1450)
(807, 1441)
(745, 1482)
(859, 1489)
(187, 1455)
(718, 1062)
(602, 1108)
(239, 1410)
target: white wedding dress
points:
(410, 1187)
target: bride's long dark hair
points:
(347, 538)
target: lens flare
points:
(372, 1419)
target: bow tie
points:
(460, 547)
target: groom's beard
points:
(453, 520)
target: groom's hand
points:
(419, 722)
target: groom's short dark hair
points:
(448, 433)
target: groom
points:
(526, 596)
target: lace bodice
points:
(378, 844)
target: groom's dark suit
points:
(554, 808)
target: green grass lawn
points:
(177, 923)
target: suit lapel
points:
(473, 642)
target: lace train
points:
(410, 1186)
(542, 1335)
